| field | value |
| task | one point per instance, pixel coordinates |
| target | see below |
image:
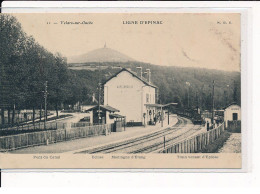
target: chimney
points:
(149, 75)
(140, 73)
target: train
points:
(193, 115)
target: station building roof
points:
(114, 115)
(233, 103)
(134, 75)
(104, 107)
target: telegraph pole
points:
(227, 96)
(99, 96)
(161, 113)
(168, 116)
(45, 103)
(160, 101)
(197, 98)
(213, 85)
(188, 84)
(188, 97)
(99, 88)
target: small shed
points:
(102, 111)
(232, 114)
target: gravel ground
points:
(232, 145)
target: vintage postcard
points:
(120, 91)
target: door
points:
(234, 116)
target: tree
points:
(24, 68)
(58, 79)
(11, 46)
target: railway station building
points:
(232, 112)
(232, 117)
(134, 96)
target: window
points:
(147, 98)
(234, 116)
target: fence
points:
(36, 126)
(195, 143)
(20, 120)
(48, 126)
(81, 124)
(52, 136)
(234, 126)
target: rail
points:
(195, 143)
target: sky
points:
(205, 40)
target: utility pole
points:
(227, 97)
(188, 97)
(213, 85)
(45, 103)
(99, 96)
(188, 84)
(168, 115)
(41, 112)
(161, 116)
(99, 92)
(197, 98)
(164, 142)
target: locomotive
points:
(193, 115)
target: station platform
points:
(86, 143)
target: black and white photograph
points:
(120, 87)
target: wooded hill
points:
(175, 83)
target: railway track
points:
(133, 145)
(170, 140)
(121, 145)
(147, 138)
